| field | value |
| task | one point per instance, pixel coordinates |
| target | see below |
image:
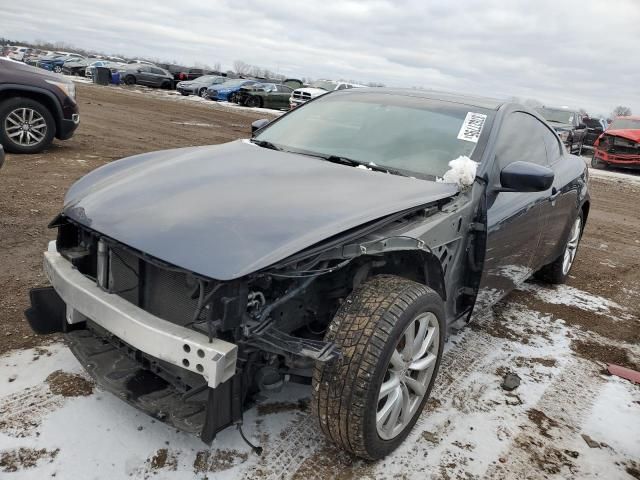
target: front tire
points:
(203, 93)
(26, 126)
(254, 102)
(557, 272)
(390, 332)
(130, 80)
(57, 69)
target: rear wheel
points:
(254, 102)
(390, 333)
(558, 271)
(26, 126)
(130, 80)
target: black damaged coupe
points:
(336, 248)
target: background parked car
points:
(35, 107)
(619, 145)
(225, 92)
(199, 85)
(113, 66)
(595, 127)
(141, 74)
(18, 53)
(317, 88)
(264, 95)
(567, 123)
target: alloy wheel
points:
(408, 375)
(25, 127)
(572, 246)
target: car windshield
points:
(324, 85)
(625, 124)
(412, 135)
(557, 115)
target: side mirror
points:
(525, 177)
(258, 124)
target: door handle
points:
(554, 194)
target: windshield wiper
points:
(265, 144)
(355, 163)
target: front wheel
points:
(203, 93)
(390, 333)
(130, 80)
(558, 271)
(57, 69)
(254, 102)
(26, 126)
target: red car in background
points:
(619, 145)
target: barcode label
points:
(472, 127)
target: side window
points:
(284, 89)
(552, 145)
(342, 86)
(521, 139)
(157, 71)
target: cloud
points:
(572, 52)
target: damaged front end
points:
(192, 351)
(617, 150)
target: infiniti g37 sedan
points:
(335, 248)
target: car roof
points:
(472, 100)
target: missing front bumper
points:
(171, 343)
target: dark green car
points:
(267, 95)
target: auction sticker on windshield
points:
(472, 127)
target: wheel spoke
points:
(420, 337)
(13, 127)
(389, 386)
(396, 360)
(423, 363)
(16, 121)
(406, 405)
(426, 344)
(409, 339)
(385, 411)
(15, 134)
(414, 385)
(394, 413)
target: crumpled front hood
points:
(629, 134)
(229, 210)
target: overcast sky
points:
(580, 53)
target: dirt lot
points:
(556, 339)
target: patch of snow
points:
(363, 167)
(194, 124)
(612, 175)
(566, 295)
(462, 171)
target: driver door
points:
(515, 220)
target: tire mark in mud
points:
(544, 440)
(21, 413)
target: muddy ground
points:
(557, 340)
